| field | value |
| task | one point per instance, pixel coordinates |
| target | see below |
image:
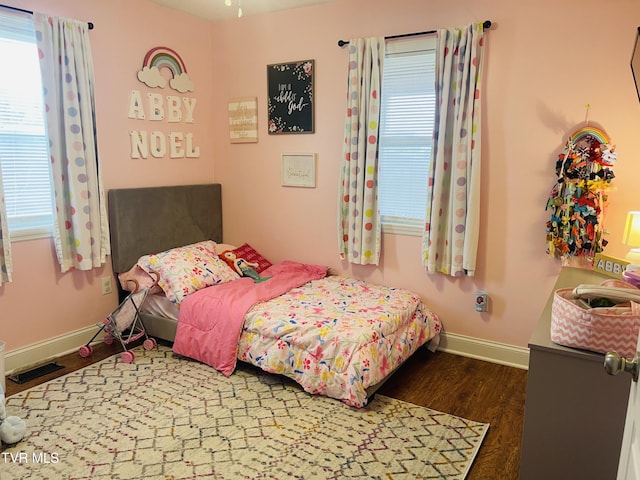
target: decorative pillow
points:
(185, 270)
(138, 278)
(247, 252)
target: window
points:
(24, 157)
(406, 133)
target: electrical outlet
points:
(106, 285)
(481, 301)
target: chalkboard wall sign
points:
(290, 103)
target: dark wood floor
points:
(461, 386)
(476, 390)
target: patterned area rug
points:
(167, 417)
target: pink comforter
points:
(211, 319)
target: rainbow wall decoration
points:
(596, 133)
(160, 58)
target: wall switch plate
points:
(481, 301)
(106, 285)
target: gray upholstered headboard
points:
(153, 219)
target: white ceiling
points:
(217, 10)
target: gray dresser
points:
(574, 412)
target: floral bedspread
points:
(211, 319)
(336, 336)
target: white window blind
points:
(24, 156)
(406, 133)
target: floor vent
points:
(24, 377)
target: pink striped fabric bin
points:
(599, 329)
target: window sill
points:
(398, 229)
(33, 234)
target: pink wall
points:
(537, 80)
(42, 303)
(545, 61)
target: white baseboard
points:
(38, 353)
(42, 352)
(487, 350)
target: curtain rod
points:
(486, 25)
(30, 12)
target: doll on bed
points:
(243, 267)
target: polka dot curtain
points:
(359, 218)
(450, 239)
(81, 228)
(5, 242)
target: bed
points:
(335, 335)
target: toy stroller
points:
(125, 325)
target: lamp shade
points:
(631, 234)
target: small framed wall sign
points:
(243, 120)
(298, 170)
(290, 97)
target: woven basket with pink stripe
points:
(599, 329)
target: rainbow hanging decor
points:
(160, 58)
(595, 133)
(165, 57)
(578, 199)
